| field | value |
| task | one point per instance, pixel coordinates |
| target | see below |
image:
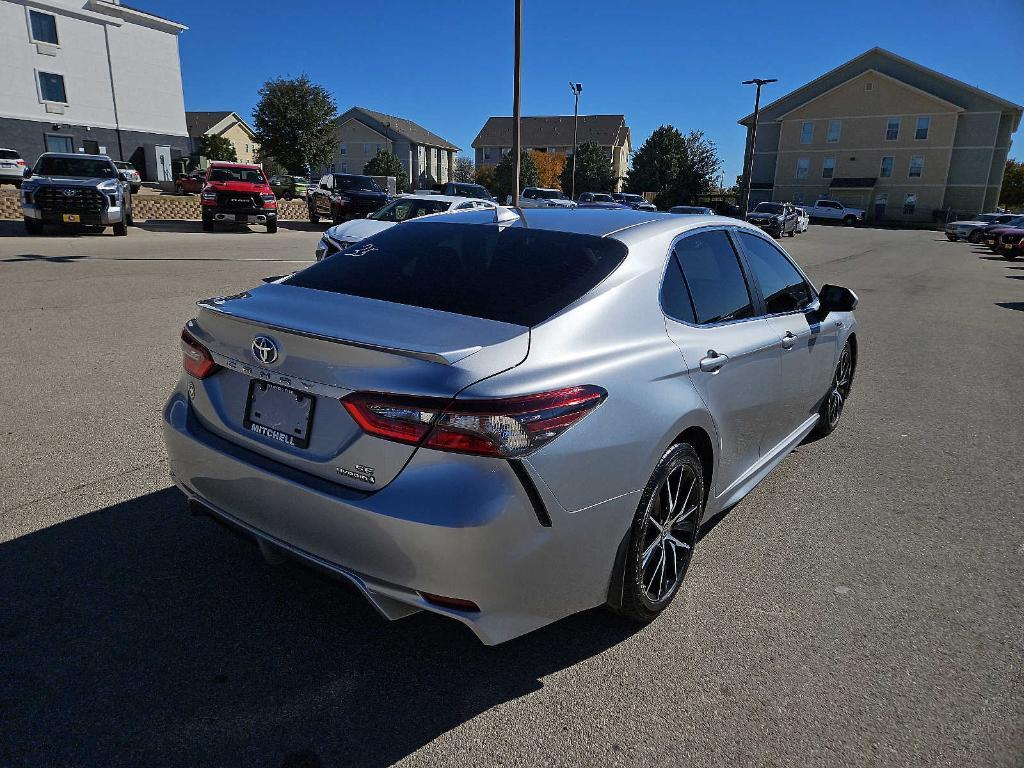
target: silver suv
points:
(78, 189)
(509, 418)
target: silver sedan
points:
(509, 416)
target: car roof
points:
(600, 222)
(74, 154)
(444, 198)
(229, 164)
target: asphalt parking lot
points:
(863, 606)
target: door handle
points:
(713, 362)
(788, 340)
(839, 323)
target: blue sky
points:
(448, 65)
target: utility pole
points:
(516, 98)
(577, 89)
(748, 166)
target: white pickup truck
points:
(833, 211)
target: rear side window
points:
(714, 278)
(784, 288)
(511, 274)
(675, 299)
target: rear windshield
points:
(78, 167)
(249, 175)
(510, 274)
(768, 208)
(356, 182)
(8, 154)
(469, 190)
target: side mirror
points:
(27, 173)
(835, 298)
(121, 176)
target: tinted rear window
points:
(8, 154)
(510, 274)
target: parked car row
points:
(1001, 233)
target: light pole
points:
(516, 97)
(748, 165)
(577, 89)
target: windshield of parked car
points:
(470, 190)
(509, 274)
(549, 194)
(247, 175)
(600, 197)
(769, 208)
(355, 182)
(687, 209)
(78, 167)
(632, 198)
(409, 208)
(124, 166)
(992, 217)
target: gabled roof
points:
(201, 123)
(935, 84)
(554, 131)
(396, 128)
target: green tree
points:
(505, 175)
(294, 123)
(270, 165)
(593, 170)
(387, 164)
(675, 167)
(464, 171)
(485, 176)
(1012, 195)
(217, 148)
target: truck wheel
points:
(207, 225)
(314, 217)
(1010, 256)
(849, 221)
(335, 215)
(272, 227)
(975, 237)
(33, 226)
(121, 229)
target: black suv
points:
(343, 196)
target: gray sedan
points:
(504, 417)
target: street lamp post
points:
(577, 89)
(516, 97)
(749, 164)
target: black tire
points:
(207, 225)
(974, 238)
(179, 190)
(831, 410)
(641, 587)
(792, 232)
(288, 196)
(17, 185)
(1010, 255)
(336, 216)
(849, 221)
(33, 226)
(314, 217)
(951, 238)
(272, 227)
(121, 229)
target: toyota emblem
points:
(264, 349)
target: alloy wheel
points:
(669, 534)
(840, 387)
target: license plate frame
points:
(267, 413)
(71, 218)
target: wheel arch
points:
(703, 444)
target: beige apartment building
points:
(881, 133)
(555, 134)
(226, 124)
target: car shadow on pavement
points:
(17, 229)
(1017, 305)
(138, 634)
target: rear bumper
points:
(456, 526)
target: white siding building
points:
(92, 76)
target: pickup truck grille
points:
(70, 199)
(238, 201)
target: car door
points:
(731, 354)
(808, 344)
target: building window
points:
(56, 143)
(368, 150)
(868, 86)
(803, 165)
(51, 87)
(798, 198)
(343, 149)
(828, 168)
(881, 201)
(922, 128)
(892, 129)
(886, 170)
(487, 153)
(916, 166)
(807, 132)
(835, 127)
(344, 167)
(910, 204)
(44, 27)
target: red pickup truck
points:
(238, 192)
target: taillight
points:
(19, 162)
(503, 428)
(195, 357)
